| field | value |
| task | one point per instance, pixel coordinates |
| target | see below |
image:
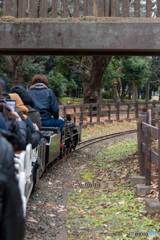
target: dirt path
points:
(47, 207)
(46, 211)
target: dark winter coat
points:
(44, 100)
(19, 129)
(32, 138)
(12, 223)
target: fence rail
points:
(146, 134)
(80, 8)
(100, 112)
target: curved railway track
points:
(91, 141)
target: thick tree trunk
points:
(91, 93)
(134, 92)
(115, 94)
(16, 74)
(100, 96)
(115, 91)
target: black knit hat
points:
(21, 91)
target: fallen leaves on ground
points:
(116, 212)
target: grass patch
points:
(109, 212)
(70, 100)
(98, 130)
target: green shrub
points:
(106, 95)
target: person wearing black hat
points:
(27, 101)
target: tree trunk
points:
(99, 65)
(130, 92)
(100, 96)
(115, 93)
(16, 74)
(147, 91)
(134, 92)
(124, 92)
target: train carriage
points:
(32, 163)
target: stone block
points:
(136, 179)
(142, 189)
(152, 206)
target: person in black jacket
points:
(45, 102)
(27, 101)
(17, 124)
(14, 123)
(12, 222)
(32, 138)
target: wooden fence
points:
(146, 134)
(100, 112)
(80, 8)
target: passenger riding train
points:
(32, 163)
(21, 115)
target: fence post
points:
(76, 8)
(65, 109)
(10, 8)
(159, 158)
(98, 111)
(154, 104)
(153, 114)
(109, 111)
(81, 112)
(148, 157)
(74, 108)
(140, 140)
(136, 109)
(158, 112)
(118, 108)
(54, 9)
(91, 112)
(80, 130)
(43, 9)
(128, 110)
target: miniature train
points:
(32, 163)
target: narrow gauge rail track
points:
(91, 141)
(87, 143)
